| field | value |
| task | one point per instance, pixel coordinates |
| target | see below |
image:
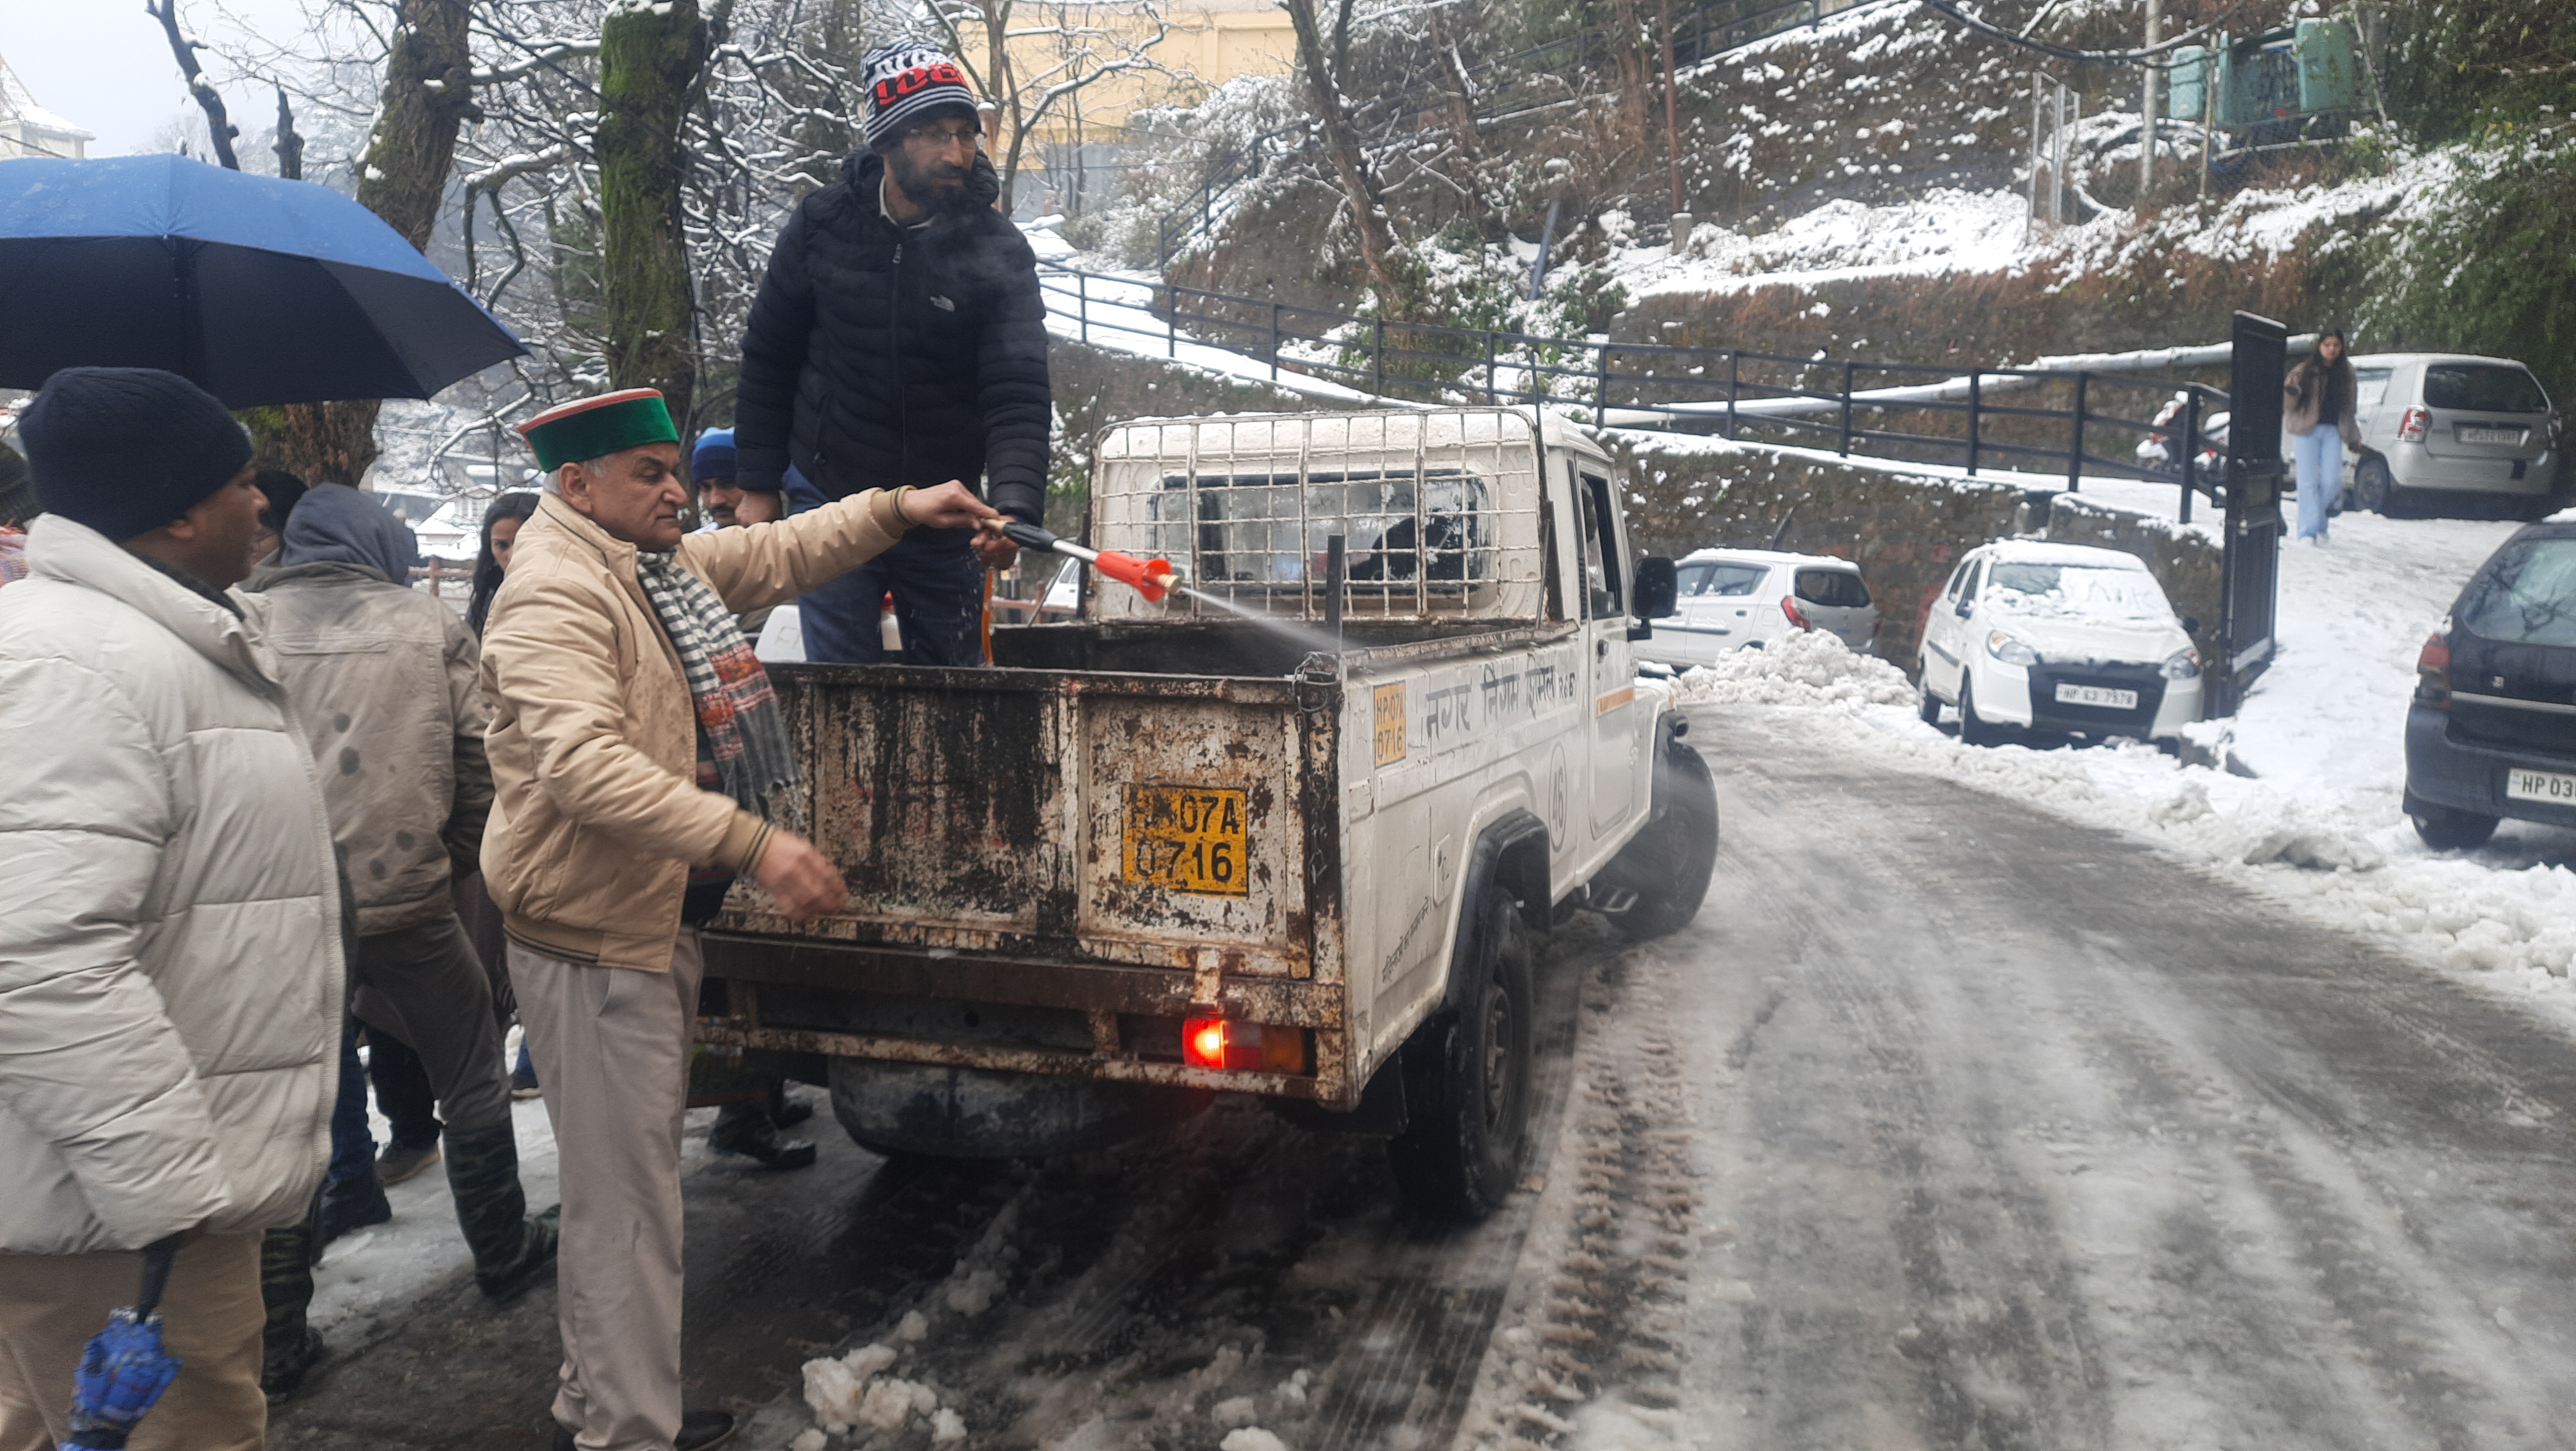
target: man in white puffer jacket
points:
(170, 957)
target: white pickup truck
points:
(1293, 837)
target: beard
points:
(944, 189)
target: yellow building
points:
(1193, 46)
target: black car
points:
(2492, 731)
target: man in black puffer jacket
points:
(899, 338)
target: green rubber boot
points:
(289, 1347)
(510, 1249)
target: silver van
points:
(2448, 432)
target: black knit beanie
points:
(127, 450)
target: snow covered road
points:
(2010, 1132)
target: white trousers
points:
(611, 1046)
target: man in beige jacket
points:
(634, 743)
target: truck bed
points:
(1008, 837)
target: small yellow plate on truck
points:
(1187, 839)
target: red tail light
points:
(2410, 428)
(1789, 607)
(2433, 674)
(1219, 1044)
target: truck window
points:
(1256, 529)
(1601, 562)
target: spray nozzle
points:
(1151, 578)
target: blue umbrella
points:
(261, 290)
(124, 1370)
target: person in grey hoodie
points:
(383, 678)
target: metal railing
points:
(1977, 419)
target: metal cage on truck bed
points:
(1243, 509)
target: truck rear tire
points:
(1467, 1075)
(1669, 863)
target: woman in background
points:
(500, 531)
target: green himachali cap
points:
(592, 428)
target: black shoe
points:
(699, 1431)
(283, 1369)
(523, 1083)
(702, 1429)
(353, 1206)
(752, 1137)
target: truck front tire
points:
(1669, 863)
(1467, 1074)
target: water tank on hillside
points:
(2272, 82)
(2329, 66)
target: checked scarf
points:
(730, 691)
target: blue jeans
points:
(2318, 459)
(938, 589)
(353, 1148)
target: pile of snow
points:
(854, 1392)
(1810, 667)
(1945, 230)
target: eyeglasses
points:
(940, 138)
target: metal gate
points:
(2250, 572)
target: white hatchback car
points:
(1736, 599)
(2058, 637)
(2445, 432)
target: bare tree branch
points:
(219, 129)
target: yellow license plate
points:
(1187, 839)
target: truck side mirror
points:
(1657, 588)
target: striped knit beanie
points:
(907, 85)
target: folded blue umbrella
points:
(262, 291)
(124, 1370)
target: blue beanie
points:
(713, 458)
(127, 450)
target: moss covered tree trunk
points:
(428, 94)
(650, 58)
(1380, 253)
(1636, 86)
